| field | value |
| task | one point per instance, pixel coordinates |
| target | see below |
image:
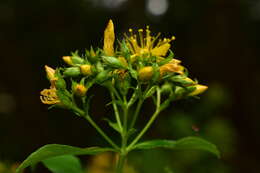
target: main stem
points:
(124, 136)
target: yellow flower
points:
(146, 44)
(199, 89)
(172, 66)
(49, 96)
(109, 39)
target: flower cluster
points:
(139, 60)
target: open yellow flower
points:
(140, 44)
(109, 39)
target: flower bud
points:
(109, 39)
(73, 60)
(60, 83)
(80, 90)
(77, 60)
(166, 88)
(145, 73)
(67, 59)
(123, 61)
(198, 90)
(92, 52)
(183, 80)
(102, 76)
(50, 73)
(72, 71)
(172, 66)
(86, 69)
(113, 61)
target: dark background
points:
(217, 40)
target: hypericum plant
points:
(141, 66)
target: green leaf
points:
(54, 150)
(187, 143)
(63, 164)
(114, 125)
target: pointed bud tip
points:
(67, 59)
(199, 89)
(50, 72)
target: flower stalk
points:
(137, 70)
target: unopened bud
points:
(102, 76)
(77, 60)
(80, 90)
(86, 69)
(73, 60)
(92, 52)
(72, 71)
(50, 72)
(67, 59)
(166, 88)
(123, 61)
(198, 90)
(113, 61)
(145, 73)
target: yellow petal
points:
(49, 96)
(109, 38)
(161, 50)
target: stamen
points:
(141, 37)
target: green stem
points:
(116, 112)
(101, 132)
(149, 123)
(124, 135)
(144, 130)
(120, 163)
(137, 111)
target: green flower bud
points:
(64, 97)
(72, 72)
(77, 60)
(113, 61)
(102, 76)
(166, 88)
(60, 83)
